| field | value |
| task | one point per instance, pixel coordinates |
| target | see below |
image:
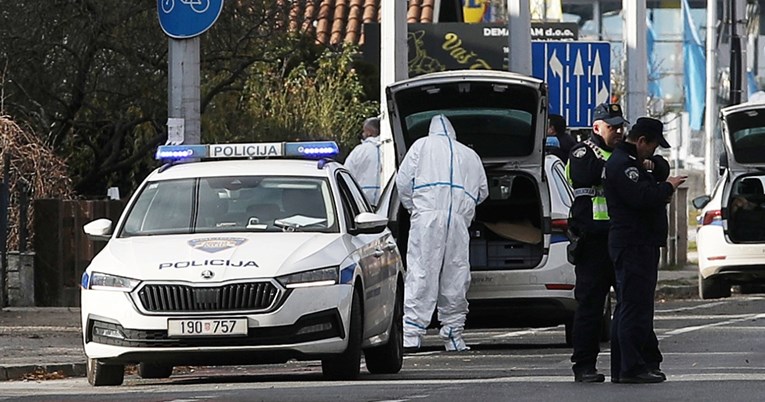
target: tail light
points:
(713, 217)
(559, 231)
(560, 225)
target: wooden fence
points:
(62, 250)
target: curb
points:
(20, 372)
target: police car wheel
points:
(105, 374)
(713, 288)
(388, 358)
(347, 365)
(154, 370)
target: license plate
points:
(207, 327)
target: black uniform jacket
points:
(585, 171)
(636, 199)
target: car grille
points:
(162, 298)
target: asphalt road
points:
(713, 351)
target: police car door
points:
(376, 258)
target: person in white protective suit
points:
(440, 182)
(364, 161)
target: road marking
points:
(684, 330)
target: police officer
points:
(589, 222)
(364, 161)
(637, 206)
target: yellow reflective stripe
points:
(599, 209)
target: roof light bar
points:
(306, 150)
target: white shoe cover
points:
(453, 339)
(412, 341)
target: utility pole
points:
(710, 118)
(636, 65)
(393, 68)
(183, 106)
(519, 36)
(736, 59)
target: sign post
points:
(578, 76)
(183, 21)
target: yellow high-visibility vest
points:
(599, 206)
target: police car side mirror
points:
(369, 223)
(99, 229)
(701, 201)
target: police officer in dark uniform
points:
(637, 200)
(589, 223)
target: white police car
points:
(520, 274)
(244, 262)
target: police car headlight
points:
(317, 277)
(99, 281)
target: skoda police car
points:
(259, 257)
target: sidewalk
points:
(46, 342)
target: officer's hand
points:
(647, 164)
(676, 181)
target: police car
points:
(520, 276)
(257, 258)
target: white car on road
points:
(520, 274)
(731, 233)
(244, 262)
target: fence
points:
(62, 250)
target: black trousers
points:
(594, 278)
(634, 347)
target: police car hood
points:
(227, 257)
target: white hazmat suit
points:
(440, 182)
(365, 166)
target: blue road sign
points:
(182, 19)
(578, 76)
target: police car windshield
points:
(232, 204)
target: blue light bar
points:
(178, 152)
(306, 150)
(552, 142)
(311, 150)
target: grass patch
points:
(692, 245)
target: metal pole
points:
(23, 205)
(183, 89)
(710, 117)
(735, 57)
(4, 201)
(519, 36)
(636, 69)
(393, 67)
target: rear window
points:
(495, 120)
(747, 135)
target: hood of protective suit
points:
(440, 125)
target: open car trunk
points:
(507, 230)
(743, 132)
(746, 209)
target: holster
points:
(572, 250)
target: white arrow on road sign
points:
(557, 69)
(597, 73)
(578, 72)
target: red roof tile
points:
(337, 21)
